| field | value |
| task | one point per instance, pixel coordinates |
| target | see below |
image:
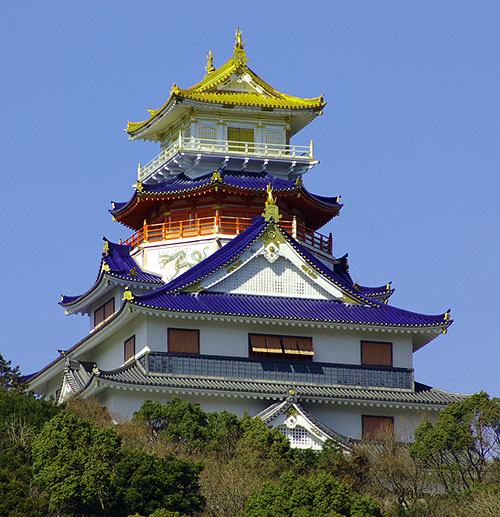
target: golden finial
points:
(105, 250)
(298, 181)
(447, 315)
(216, 176)
(139, 186)
(272, 210)
(105, 267)
(133, 272)
(271, 200)
(209, 67)
(239, 44)
(240, 55)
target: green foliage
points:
(10, 378)
(462, 442)
(21, 418)
(316, 496)
(15, 497)
(178, 421)
(146, 484)
(73, 464)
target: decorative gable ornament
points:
(271, 252)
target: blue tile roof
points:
(284, 308)
(116, 262)
(368, 311)
(240, 180)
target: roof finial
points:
(239, 44)
(271, 200)
(240, 55)
(209, 67)
(272, 210)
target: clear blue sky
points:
(410, 138)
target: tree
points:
(462, 443)
(73, 464)
(316, 496)
(147, 484)
(180, 422)
(10, 378)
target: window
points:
(181, 341)
(104, 312)
(374, 353)
(291, 347)
(377, 427)
(241, 139)
(275, 137)
(207, 132)
(129, 349)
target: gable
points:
(238, 83)
(278, 278)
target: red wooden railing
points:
(222, 225)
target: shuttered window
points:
(104, 312)
(377, 427)
(240, 139)
(129, 348)
(262, 345)
(181, 341)
(374, 353)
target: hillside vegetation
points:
(175, 460)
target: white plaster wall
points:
(115, 292)
(109, 353)
(346, 419)
(123, 403)
(345, 346)
(231, 339)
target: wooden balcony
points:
(223, 225)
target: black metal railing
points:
(277, 370)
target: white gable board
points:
(273, 268)
(279, 278)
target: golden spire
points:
(272, 210)
(239, 44)
(271, 200)
(209, 67)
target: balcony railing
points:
(271, 370)
(220, 224)
(227, 147)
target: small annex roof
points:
(290, 406)
(187, 292)
(116, 263)
(223, 86)
(132, 213)
(133, 376)
(382, 293)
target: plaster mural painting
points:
(177, 261)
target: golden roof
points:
(215, 88)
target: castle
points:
(227, 295)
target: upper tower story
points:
(232, 119)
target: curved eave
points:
(126, 210)
(79, 303)
(133, 377)
(270, 98)
(434, 328)
(96, 331)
